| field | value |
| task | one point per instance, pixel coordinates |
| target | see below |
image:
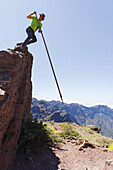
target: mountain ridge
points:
(99, 115)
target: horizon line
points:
(73, 102)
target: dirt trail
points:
(67, 157)
(73, 159)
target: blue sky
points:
(79, 36)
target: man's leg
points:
(31, 37)
(26, 41)
(32, 40)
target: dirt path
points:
(67, 157)
(73, 159)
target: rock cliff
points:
(15, 100)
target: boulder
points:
(93, 127)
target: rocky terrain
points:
(15, 100)
(68, 157)
(74, 153)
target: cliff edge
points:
(15, 100)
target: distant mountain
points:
(100, 115)
(44, 110)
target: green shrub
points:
(34, 136)
(68, 130)
(99, 139)
(104, 141)
(54, 135)
(52, 122)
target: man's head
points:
(42, 16)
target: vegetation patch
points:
(110, 148)
(35, 135)
(69, 130)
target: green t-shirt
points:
(34, 24)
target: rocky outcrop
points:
(15, 100)
(93, 127)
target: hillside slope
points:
(69, 154)
(100, 115)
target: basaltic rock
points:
(15, 100)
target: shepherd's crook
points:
(50, 62)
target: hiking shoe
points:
(23, 47)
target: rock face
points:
(15, 100)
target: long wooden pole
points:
(50, 62)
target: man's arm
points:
(29, 16)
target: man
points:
(33, 28)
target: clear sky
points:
(79, 36)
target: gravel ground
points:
(67, 157)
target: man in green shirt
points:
(33, 28)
